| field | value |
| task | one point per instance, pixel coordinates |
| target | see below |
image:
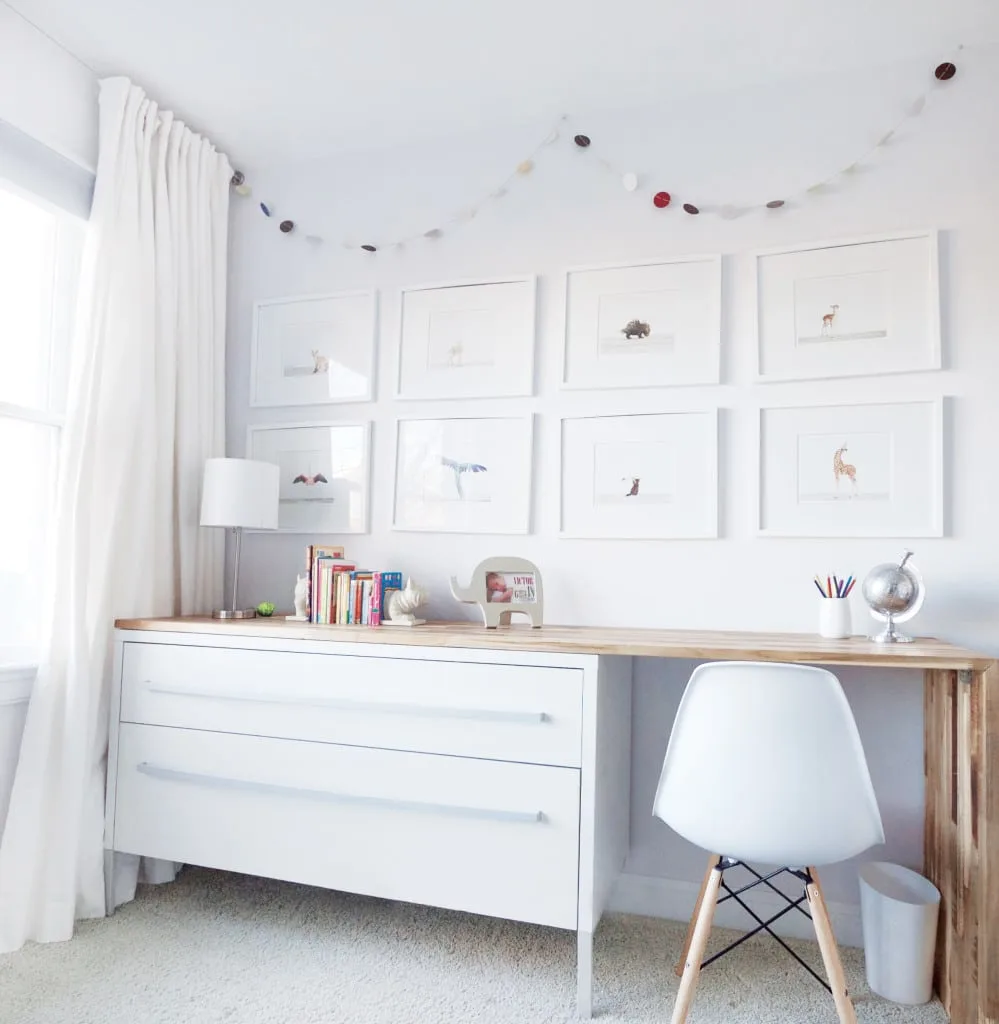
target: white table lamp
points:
(239, 494)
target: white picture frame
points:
(313, 349)
(464, 474)
(851, 308)
(339, 454)
(655, 323)
(643, 476)
(860, 470)
(467, 339)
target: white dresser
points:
(488, 780)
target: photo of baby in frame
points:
(511, 588)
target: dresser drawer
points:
(508, 712)
(484, 836)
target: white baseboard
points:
(674, 900)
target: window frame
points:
(67, 250)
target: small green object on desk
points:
(265, 608)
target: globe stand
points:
(890, 635)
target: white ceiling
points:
(276, 80)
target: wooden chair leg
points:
(698, 943)
(712, 861)
(829, 949)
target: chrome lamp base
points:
(237, 613)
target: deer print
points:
(841, 468)
(827, 320)
(633, 493)
(320, 363)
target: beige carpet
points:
(217, 947)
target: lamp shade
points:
(240, 492)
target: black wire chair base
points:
(726, 864)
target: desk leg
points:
(961, 844)
(108, 883)
(584, 975)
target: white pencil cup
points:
(834, 618)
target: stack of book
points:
(340, 594)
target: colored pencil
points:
(818, 586)
(828, 587)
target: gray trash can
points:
(899, 910)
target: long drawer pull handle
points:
(156, 771)
(421, 710)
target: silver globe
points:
(894, 591)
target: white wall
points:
(45, 92)
(943, 173)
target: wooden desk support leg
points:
(961, 842)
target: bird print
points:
(459, 469)
(310, 481)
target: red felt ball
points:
(944, 72)
(662, 200)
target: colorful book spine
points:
(309, 603)
(390, 581)
(375, 607)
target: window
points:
(39, 262)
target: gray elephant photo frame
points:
(503, 587)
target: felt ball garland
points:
(628, 179)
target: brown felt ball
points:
(237, 178)
(370, 248)
(582, 141)
(690, 208)
(944, 72)
(775, 204)
(287, 226)
(662, 200)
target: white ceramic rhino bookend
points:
(501, 587)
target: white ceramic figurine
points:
(301, 599)
(401, 604)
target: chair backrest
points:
(765, 764)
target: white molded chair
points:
(765, 764)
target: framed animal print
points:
(325, 474)
(640, 476)
(654, 324)
(851, 470)
(464, 475)
(313, 350)
(468, 339)
(849, 309)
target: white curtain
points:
(146, 408)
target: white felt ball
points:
(630, 181)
